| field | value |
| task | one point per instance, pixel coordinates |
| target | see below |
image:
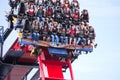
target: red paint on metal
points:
(51, 66)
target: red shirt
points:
(31, 11)
(76, 16)
(72, 32)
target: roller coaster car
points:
(57, 50)
(48, 44)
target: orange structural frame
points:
(51, 67)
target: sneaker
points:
(34, 41)
(86, 52)
(57, 44)
(95, 45)
(22, 46)
(39, 78)
(82, 45)
(52, 44)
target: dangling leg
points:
(78, 40)
(57, 40)
(52, 37)
(74, 43)
(61, 37)
(66, 40)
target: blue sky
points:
(104, 62)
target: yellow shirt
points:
(20, 34)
